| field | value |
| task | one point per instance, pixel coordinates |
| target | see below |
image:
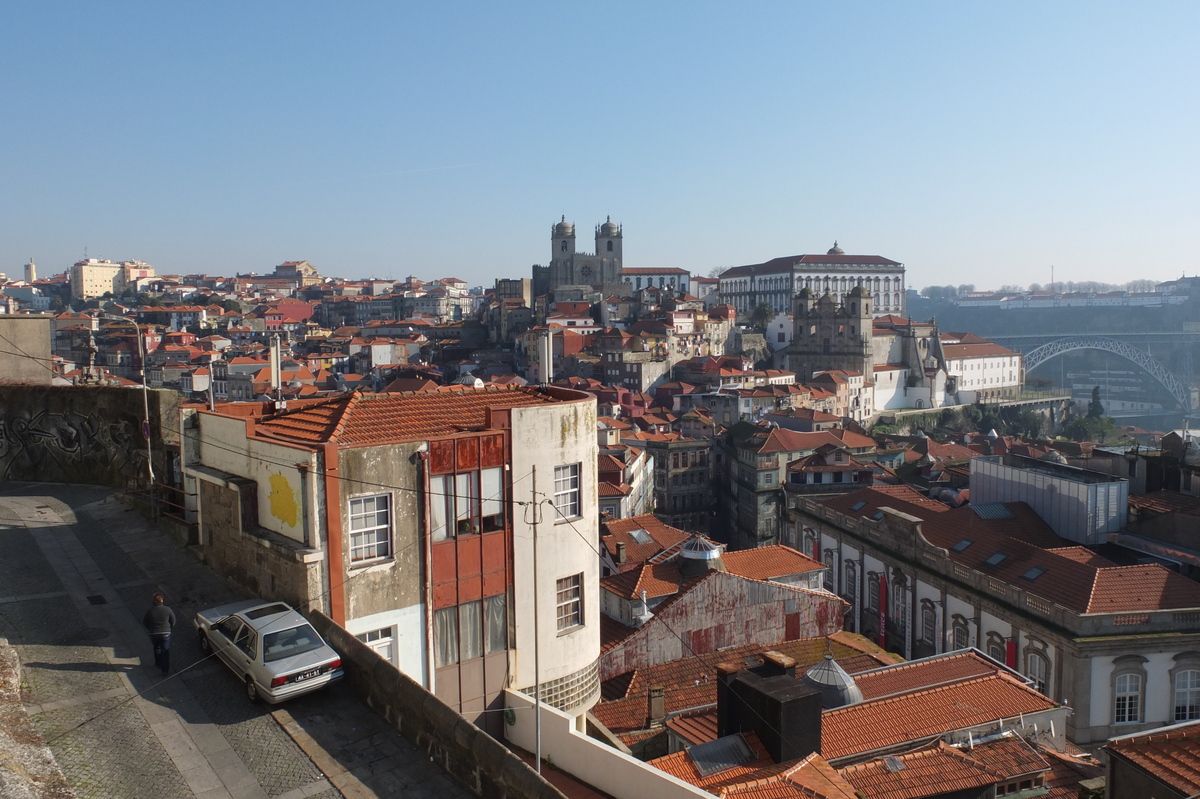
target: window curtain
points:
(493, 491)
(497, 623)
(437, 508)
(470, 629)
(445, 636)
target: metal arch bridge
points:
(1169, 381)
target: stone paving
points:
(77, 569)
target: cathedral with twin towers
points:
(600, 269)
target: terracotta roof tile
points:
(917, 674)
(927, 772)
(366, 420)
(1010, 757)
(808, 778)
(663, 536)
(880, 723)
(768, 563)
(1027, 542)
(681, 766)
(1171, 756)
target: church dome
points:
(859, 291)
(835, 250)
(564, 228)
(835, 685)
(609, 228)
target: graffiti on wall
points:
(38, 444)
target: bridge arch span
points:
(1178, 391)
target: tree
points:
(1095, 409)
(761, 316)
(716, 271)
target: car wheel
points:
(251, 690)
(205, 644)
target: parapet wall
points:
(474, 758)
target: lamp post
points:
(137, 333)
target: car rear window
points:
(293, 641)
(266, 610)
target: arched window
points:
(962, 634)
(929, 632)
(996, 649)
(872, 591)
(1128, 689)
(1037, 669)
(854, 309)
(563, 247)
(610, 246)
(1187, 695)
(1127, 699)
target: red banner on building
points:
(1010, 654)
(883, 610)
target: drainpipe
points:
(333, 526)
(427, 557)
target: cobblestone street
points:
(77, 569)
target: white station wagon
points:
(270, 646)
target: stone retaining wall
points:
(477, 760)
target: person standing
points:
(158, 621)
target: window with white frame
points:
(370, 527)
(566, 491)
(466, 503)
(961, 632)
(570, 601)
(382, 641)
(1127, 698)
(1037, 669)
(1187, 695)
(928, 623)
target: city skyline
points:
(975, 145)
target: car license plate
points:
(307, 675)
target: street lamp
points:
(137, 332)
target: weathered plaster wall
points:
(25, 349)
(81, 434)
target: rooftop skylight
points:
(995, 560)
(961, 545)
(1034, 573)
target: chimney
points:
(768, 699)
(656, 706)
(620, 552)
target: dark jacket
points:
(159, 620)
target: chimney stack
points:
(656, 709)
(769, 700)
(620, 552)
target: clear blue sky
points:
(976, 142)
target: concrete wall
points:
(81, 434)
(257, 560)
(599, 765)
(25, 349)
(548, 436)
(474, 758)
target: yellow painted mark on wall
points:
(283, 501)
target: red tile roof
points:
(917, 674)
(769, 563)
(1171, 756)
(681, 766)
(880, 723)
(367, 420)
(927, 772)
(1027, 542)
(808, 778)
(619, 531)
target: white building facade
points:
(775, 282)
